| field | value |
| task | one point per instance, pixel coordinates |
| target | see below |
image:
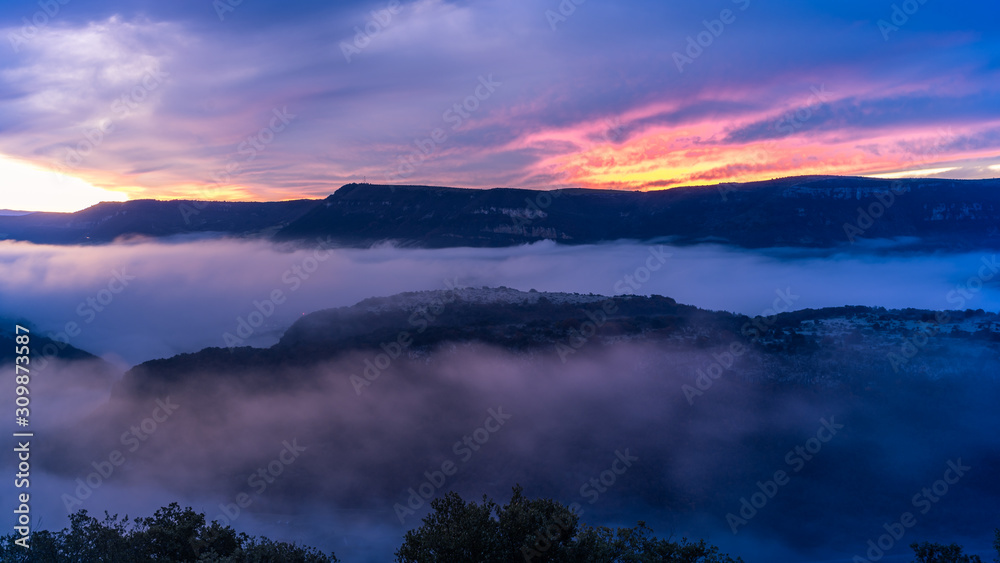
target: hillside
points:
(106, 222)
(842, 346)
(797, 212)
(806, 212)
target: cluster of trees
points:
(170, 535)
(952, 553)
(536, 531)
(529, 530)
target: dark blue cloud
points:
(856, 114)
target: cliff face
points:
(798, 212)
(811, 212)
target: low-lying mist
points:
(343, 467)
(135, 301)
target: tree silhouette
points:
(171, 534)
(536, 531)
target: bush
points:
(939, 553)
(171, 534)
(537, 531)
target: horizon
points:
(321, 197)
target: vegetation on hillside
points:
(456, 531)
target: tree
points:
(638, 545)
(927, 552)
(171, 534)
(455, 531)
(537, 531)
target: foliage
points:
(927, 552)
(171, 534)
(537, 531)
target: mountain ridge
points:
(839, 212)
(538, 322)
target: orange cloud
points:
(664, 157)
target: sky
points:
(263, 100)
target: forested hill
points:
(808, 211)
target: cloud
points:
(541, 128)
